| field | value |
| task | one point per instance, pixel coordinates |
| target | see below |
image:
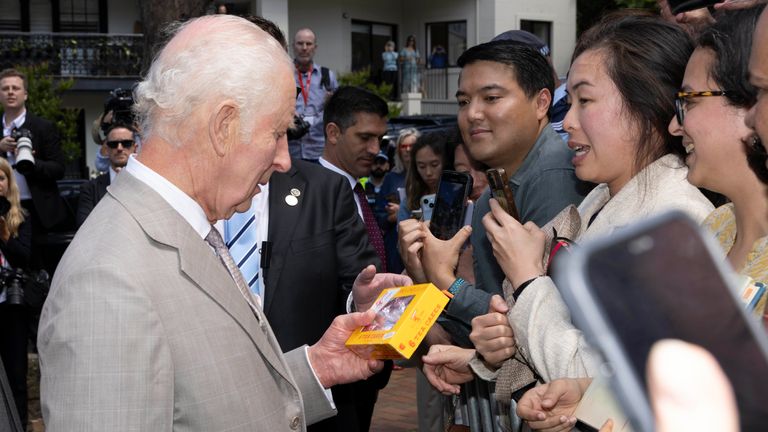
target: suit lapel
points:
(197, 261)
(282, 225)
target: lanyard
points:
(305, 90)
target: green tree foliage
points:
(45, 101)
(362, 79)
(637, 4)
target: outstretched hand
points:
(333, 362)
(550, 407)
(369, 284)
(447, 366)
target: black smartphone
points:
(679, 6)
(663, 279)
(450, 204)
(499, 184)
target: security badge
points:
(293, 198)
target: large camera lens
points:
(14, 293)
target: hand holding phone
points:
(450, 204)
(661, 279)
(500, 190)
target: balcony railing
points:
(80, 55)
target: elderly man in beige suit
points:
(148, 326)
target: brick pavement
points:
(395, 410)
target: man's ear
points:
(223, 126)
(332, 133)
(543, 100)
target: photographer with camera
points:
(15, 244)
(31, 145)
(117, 111)
(120, 144)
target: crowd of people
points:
(236, 239)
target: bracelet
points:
(523, 286)
(456, 286)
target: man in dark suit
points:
(314, 248)
(37, 184)
(119, 145)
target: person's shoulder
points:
(37, 121)
(315, 173)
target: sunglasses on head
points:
(125, 143)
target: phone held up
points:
(449, 214)
(662, 279)
(500, 190)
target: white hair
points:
(233, 59)
(405, 133)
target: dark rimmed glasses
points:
(682, 99)
(125, 143)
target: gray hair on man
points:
(189, 73)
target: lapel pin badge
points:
(291, 200)
(295, 192)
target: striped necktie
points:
(240, 236)
(214, 239)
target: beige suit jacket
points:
(144, 330)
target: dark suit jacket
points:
(49, 167)
(91, 193)
(318, 248)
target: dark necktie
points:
(374, 233)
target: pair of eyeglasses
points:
(681, 101)
(125, 143)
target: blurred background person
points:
(15, 246)
(429, 157)
(388, 202)
(410, 59)
(389, 70)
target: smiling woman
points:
(717, 139)
(624, 70)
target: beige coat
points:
(144, 330)
(541, 320)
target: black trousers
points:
(14, 325)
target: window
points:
(10, 15)
(447, 37)
(542, 29)
(80, 16)
(368, 41)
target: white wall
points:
(562, 14)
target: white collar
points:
(188, 208)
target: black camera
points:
(120, 102)
(25, 161)
(24, 289)
(299, 129)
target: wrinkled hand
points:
(410, 241)
(550, 407)
(369, 284)
(738, 4)
(333, 362)
(392, 210)
(440, 257)
(519, 249)
(447, 366)
(681, 399)
(492, 335)
(8, 144)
